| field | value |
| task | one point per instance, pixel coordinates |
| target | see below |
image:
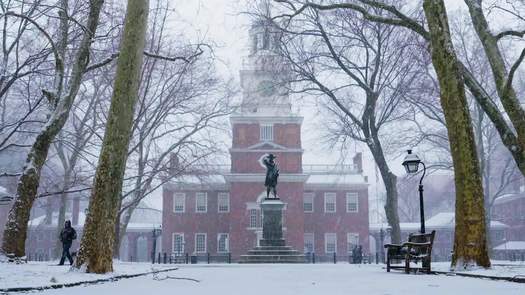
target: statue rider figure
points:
(272, 173)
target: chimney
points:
(174, 163)
(75, 211)
(358, 162)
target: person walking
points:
(67, 235)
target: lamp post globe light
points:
(411, 163)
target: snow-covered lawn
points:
(508, 269)
(37, 274)
(268, 280)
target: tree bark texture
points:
(96, 249)
(470, 245)
(390, 180)
(15, 232)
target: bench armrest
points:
(417, 245)
(394, 245)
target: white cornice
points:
(259, 177)
(247, 150)
(332, 186)
(195, 186)
(273, 145)
(266, 119)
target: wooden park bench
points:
(418, 248)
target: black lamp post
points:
(155, 233)
(411, 164)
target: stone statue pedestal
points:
(272, 211)
(272, 247)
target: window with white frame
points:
(179, 202)
(200, 243)
(253, 218)
(223, 243)
(178, 243)
(266, 133)
(308, 202)
(329, 202)
(309, 244)
(201, 202)
(352, 240)
(223, 203)
(330, 243)
(352, 202)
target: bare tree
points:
(374, 72)
(503, 79)
(24, 60)
(179, 102)
(60, 102)
(469, 242)
(96, 248)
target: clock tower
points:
(265, 124)
(265, 74)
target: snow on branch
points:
(510, 33)
(513, 69)
(186, 59)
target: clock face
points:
(266, 88)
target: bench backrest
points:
(423, 238)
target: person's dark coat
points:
(68, 234)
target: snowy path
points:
(297, 279)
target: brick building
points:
(326, 206)
(510, 209)
(137, 244)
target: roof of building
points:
(335, 179)
(441, 220)
(407, 226)
(200, 179)
(143, 217)
(509, 198)
(315, 175)
(511, 245)
(3, 190)
(41, 220)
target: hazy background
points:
(226, 24)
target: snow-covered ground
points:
(263, 279)
(37, 274)
(507, 269)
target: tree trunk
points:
(116, 245)
(470, 247)
(390, 180)
(96, 249)
(15, 232)
(62, 213)
(122, 224)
